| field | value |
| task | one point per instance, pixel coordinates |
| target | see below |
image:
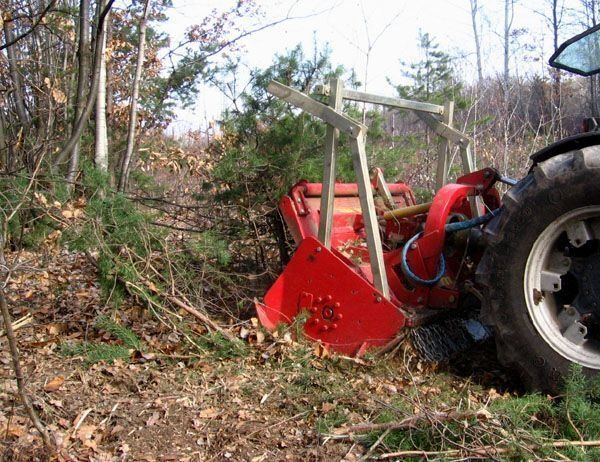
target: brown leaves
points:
(54, 384)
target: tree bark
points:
(15, 76)
(83, 78)
(89, 105)
(126, 163)
(474, 10)
(14, 352)
(101, 152)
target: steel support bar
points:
(444, 148)
(340, 121)
(365, 193)
(384, 100)
(329, 167)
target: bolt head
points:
(318, 249)
(378, 299)
(413, 245)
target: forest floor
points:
(276, 400)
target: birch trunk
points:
(101, 152)
(126, 163)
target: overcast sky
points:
(392, 26)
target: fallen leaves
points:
(54, 384)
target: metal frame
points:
(337, 121)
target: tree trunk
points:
(89, 105)
(508, 18)
(474, 9)
(101, 153)
(126, 163)
(15, 76)
(83, 78)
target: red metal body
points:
(334, 286)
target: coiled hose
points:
(449, 228)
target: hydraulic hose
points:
(449, 228)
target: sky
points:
(391, 26)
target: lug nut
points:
(338, 316)
(334, 326)
(328, 298)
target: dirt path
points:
(274, 401)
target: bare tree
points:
(509, 13)
(474, 11)
(126, 162)
(81, 122)
(84, 59)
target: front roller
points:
(541, 271)
(345, 312)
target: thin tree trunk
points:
(89, 105)
(14, 352)
(474, 9)
(508, 18)
(126, 163)
(101, 153)
(83, 78)
(15, 76)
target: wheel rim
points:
(562, 286)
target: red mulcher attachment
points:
(368, 264)
(345, 312)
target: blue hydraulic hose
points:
(449, 228)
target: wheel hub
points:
(562, 285)
(587, 274)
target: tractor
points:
(372, 264)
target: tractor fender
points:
(571, 143)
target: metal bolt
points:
(299, 200)
(313, 310)
(319, 300)
(324, 328)
(334, 326)
(328, 298)
(338, 316)
(413, 245)
(420, 300)
(336, 305)
(318, 249)
(452, 299)
(378, 299)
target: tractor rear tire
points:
(541, 271)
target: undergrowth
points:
(521, 427)
(94, 352)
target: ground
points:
(274, 400)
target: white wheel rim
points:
(561, 326)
